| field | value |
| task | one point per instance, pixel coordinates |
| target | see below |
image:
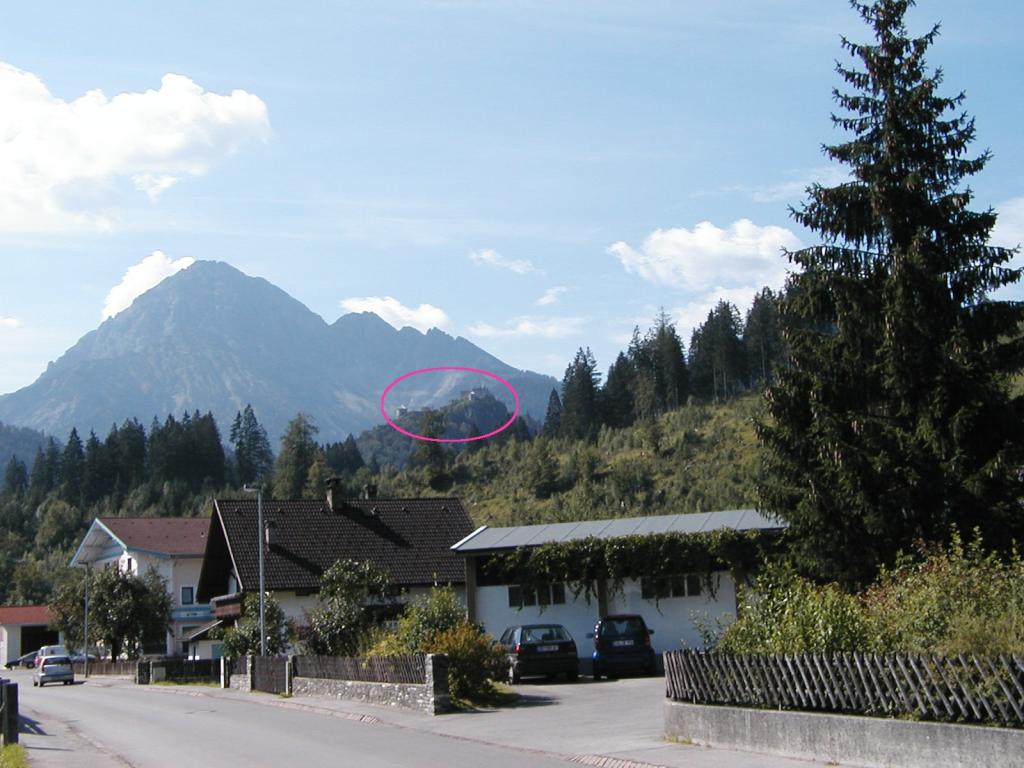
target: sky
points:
(536, 176)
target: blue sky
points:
(535, 176)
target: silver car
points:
(53, 669)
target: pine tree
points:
(671, 379)
(15, 478)
(762, 339)
(580, 418)
(717, 362)
(616, 396)
(892, 420)
(72, 463)
(253, 456)
(553, 417)
(298, 452)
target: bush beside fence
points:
(963, 689)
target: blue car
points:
(622, 643)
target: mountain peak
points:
(211, 338)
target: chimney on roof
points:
(369, 491)
(334, 494)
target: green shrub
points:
(473, 660)
(785, 613)
(948, 600)
(437, 624)
(957, 599)
(438, 612)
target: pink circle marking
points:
(496, 377)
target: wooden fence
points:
(962, 689)
(270, 674)
(114, 668)
(375, 669)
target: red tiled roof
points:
(166, 535)
(25, 614)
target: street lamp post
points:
(85, 639)
(260, 543)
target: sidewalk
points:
(583, 723)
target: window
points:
(543, 595)
(129, 566)
(188, 596)
(678, 585)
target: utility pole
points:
(261, 539)
(85, 639)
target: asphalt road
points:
(100, 723)
(110, 722)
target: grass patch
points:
(13, 756)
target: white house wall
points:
(579, 617)
(10, 644)
(671, 618)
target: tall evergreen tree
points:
(45, 473)
(126, 449)
(97, 474)
(72, 463)
(717, 362)
(15, 478)
(892, 421)
(762, 339)
(671, 378)
(553, 417)
(616, 396)
(298, 452)
(253, 456)
(580, 417)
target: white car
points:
(53, 669)
(50, 650)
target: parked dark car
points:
(622, 643)
(27, 661)
(540, 649)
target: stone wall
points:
(431, 698)
(240, 683)
(845, 739)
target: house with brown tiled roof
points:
(410, 538)
(174, 547)
(23, 629)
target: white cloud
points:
(706, 256)
(543, 327)
(1009, 233)
(140, 278)
(550, 296)
(1009, 229)
(392, 311)
(61, 160)
(490, 257)
(9, 322)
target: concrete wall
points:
(671, 618)
(845, 739)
